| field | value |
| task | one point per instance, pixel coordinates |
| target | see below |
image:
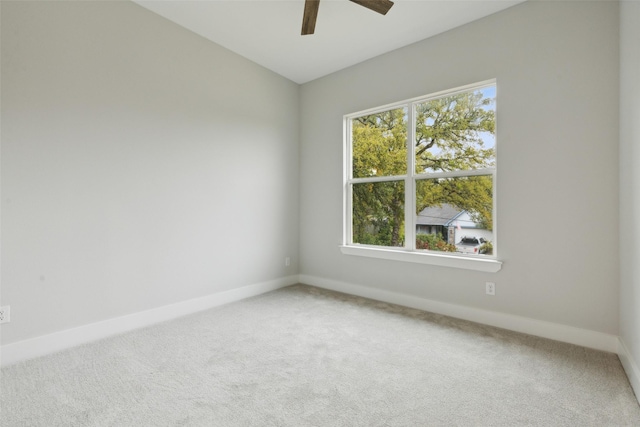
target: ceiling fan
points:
(311, 11)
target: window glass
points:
(455, 215)
(378, 213)
(380, 144)
(456, 132)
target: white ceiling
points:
(268, 31)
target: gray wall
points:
(141, 166)
(630, 177)
(556, 65)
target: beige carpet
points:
(301, 356)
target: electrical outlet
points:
(287, 262)
(491, 288)
(5, 314)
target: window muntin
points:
(447, 172)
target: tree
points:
(450, 135)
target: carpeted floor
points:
(302, 356)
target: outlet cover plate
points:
(5, 314)
(490, 288)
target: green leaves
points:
(455, 132)
(380, 144)
(378, 213)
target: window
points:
(420, 178)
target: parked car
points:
(471, 245)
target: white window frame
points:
(408, 253)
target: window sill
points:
(441, 260)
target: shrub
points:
(486, 248)
(433, 242)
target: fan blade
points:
(309, 17)
(380, 6)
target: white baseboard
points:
(554, 331)
(630, 367)
(51, 343)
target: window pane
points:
(379, 144)
(378, 213)
(456, 132)
(455, 215)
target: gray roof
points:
(438, 215)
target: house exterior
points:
(451, 222)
